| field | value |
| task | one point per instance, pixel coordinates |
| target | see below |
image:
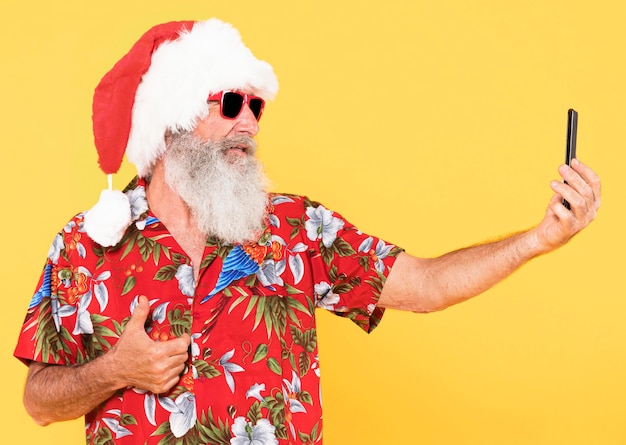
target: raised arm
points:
(431, 284)
(55, 392)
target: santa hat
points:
(162, 85)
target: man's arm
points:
(55, 392)
(430, 284)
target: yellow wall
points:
(434, 124)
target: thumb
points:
(140, 314)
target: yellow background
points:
(434, 124)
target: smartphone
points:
(570, 143)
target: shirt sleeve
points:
(50, 332)
(349, 267)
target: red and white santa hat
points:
(162, 84)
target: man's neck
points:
(175, 215)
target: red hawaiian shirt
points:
(252, 374)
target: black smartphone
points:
(570, 144)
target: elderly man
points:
(183, 310)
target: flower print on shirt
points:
(324, 296)
(55, 248)
(183, 413)
(186, 281)
(255, 391)
(291, 391)
(75, 229)
(251, 380)
(322, 225)
(138, 202)
(377, 254)
(247, 434)
(229, 368)
(113, 424)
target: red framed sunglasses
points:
(231, 104)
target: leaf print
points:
(260, 353)
(55, 248)
(295, 222)
(52, 340)
(129, 283)
(309, 340)
(59, 311)
(305, 397)
(280, 267)
(103, 276)
(210, 432)
(273, 364)
(305, 363)
(83, 318)
(268, 273)
(81, 250)
(83, 323)
(366, 245)
(255, 413)
(118, 430)
(146, 247)
(149, 404)
(299, 248)
(297, 268)
(167, 403)
(102, 295)
(281, 199)
(166, 273)
(180, 320)
(205, 369)
(129, 239)
(306, 339)
(100, 341)
(342, 247)
(274, 221)
(164, 428)
(159, 312)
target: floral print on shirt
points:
(252, 376)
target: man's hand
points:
(58, 392)
(144, 363)
(582, 191)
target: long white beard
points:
(226, 194)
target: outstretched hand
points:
(144, 363)
(582, 191)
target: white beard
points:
(225, 193)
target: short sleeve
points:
(349, 267)
(51, 330)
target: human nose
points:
(246, 122)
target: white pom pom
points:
(107, 221)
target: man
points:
(182, 311)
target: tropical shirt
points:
(252, 376)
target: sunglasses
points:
(231, 104)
